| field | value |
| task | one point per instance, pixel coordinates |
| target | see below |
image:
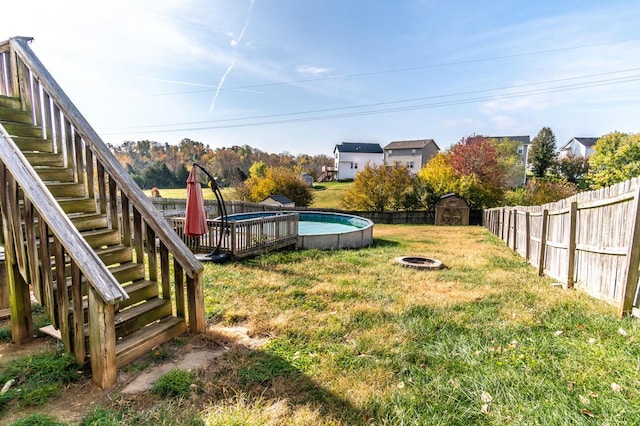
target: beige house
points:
(412, 154)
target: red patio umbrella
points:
(195, 223)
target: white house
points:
(412, 154)
(351, 157)
(524, 142)
(579, 147)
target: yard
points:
(350, 337)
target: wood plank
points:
(79, 349)
(631, 272)
(141, 341)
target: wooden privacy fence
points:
(590, 241)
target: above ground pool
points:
(324, 231)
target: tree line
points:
(163, 165)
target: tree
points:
(540, 191)
(542, 152)
(276, 181)
(616, 159)
(476, 159)
(379, 188)
(507, 155)
(572, 167)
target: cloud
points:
(310, 69)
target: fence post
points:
(515, 230)
(630, 278)
(573, 216)
(527, 236)
(543, 242)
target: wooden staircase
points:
(112, 275)
(145, 319)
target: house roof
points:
(282, 199)
(415, 144)
(524, 140)
(367, 148)
(588, 142)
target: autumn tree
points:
(542, 152)
(507, 155)
(540, 191)
(379, 188)
(476, 158)
(276, 181)
(616, 159)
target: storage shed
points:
(278, 201)
(452, 210)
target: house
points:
(278, 201)
(412, 154)
(524, 142)
(578, 147)
(351, 157)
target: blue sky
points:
(300, 76)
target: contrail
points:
(236, 43)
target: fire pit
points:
(419, 262)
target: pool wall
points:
(360, 236)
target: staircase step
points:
(115, 254)
(135, 317)
(136, 344)
(8, 102)
(22, 129)
(14, 115)
(66, 189)
(78, 205)
(44, 159)
(34, 144)
(88, 221)
(138, 291)
(128, 272)
(101, 237)
(55, 174)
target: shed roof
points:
(367, 148)
(282, 199)
(414, 144)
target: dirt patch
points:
(134, 381)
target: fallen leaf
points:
(584, 399)
(486, 397)
(592, 394)
(622, 332)
(400, 385)
(571, 385)
(485, 409)
(580, 327)
(558, 333)
(616, 387)
(592, 340)
(513, 344)
(587, 413)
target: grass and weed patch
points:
(37, 378)
(175, 384)
(38, 419)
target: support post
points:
(543, 242)
(195, 302)
(102, 340)
(571, 255)
(630, 278)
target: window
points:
(352, 164)
(520, 150)
(519, 163)
(410, 164)
(413, 152)
(390, 152)
(355, 165)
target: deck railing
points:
(243, 238)
(91, 163)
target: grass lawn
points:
(353, 338)
(207, 193)
(328, 195)
(325, 195)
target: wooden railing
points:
(589, 241)
(140, 225)
(243, 238)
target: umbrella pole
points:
(215, 254)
